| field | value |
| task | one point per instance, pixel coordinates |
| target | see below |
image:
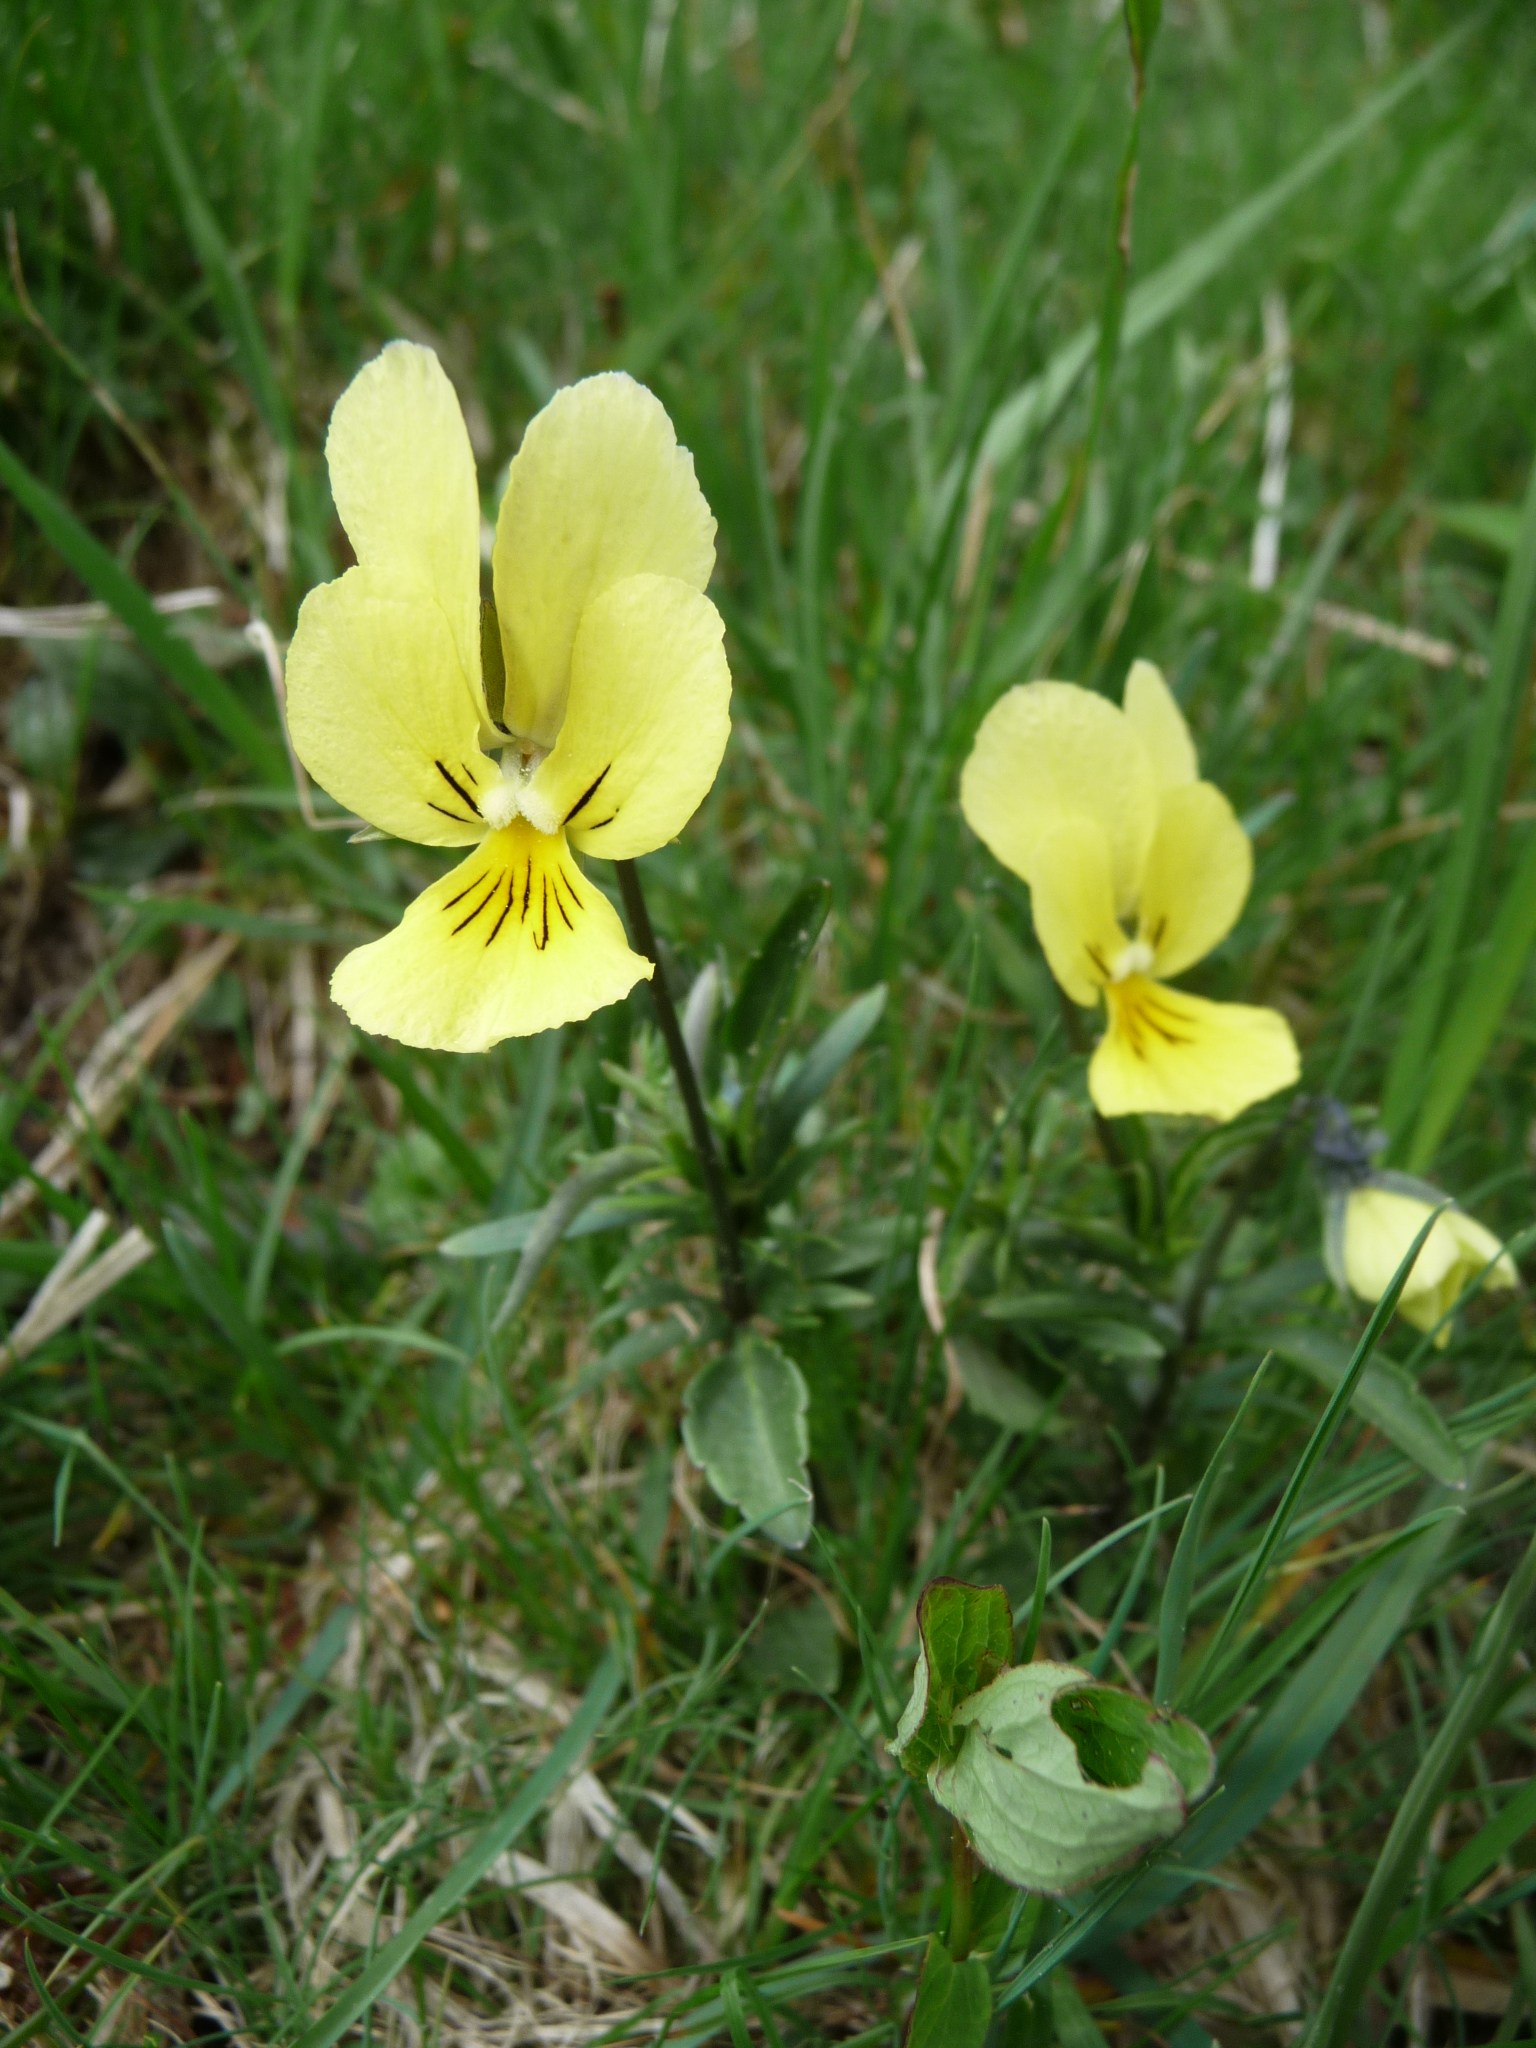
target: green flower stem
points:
(734, 1293)
(961, 1889)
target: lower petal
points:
(1180, 1055)
(515, 940)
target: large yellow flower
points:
(1136, 869)
(587, 712)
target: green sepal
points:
(965, 1640)
(493, 662)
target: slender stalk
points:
(962, 1882)
(734, 1294)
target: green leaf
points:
(768, 986)
(101, 572)
(1110, 1739)
(744, 1423)
(796, 1650)
(954, 2002)
(1143, 18)
(560, 1211)
(965, 1639)
(1385, 1395)
(1019, 1787)
(1491, 526)
(1114, 1733)
(992, 1390)
(1459, 913)
(1076, 2026)
(796, 1092)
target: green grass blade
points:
(1296, 1726)
(1471, 1863)
(1155, 301)
(102, 573)
(1473, 1701)
(476, 1860)
(1322, 1436)
(305, 1682)
(1457, 889)
(226, 284)
(1479, 1011)
(1173, 1616)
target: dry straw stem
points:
(110, 1069)
(75, 1282)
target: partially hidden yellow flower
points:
(1136, 869)
(587, 712)
(1370, 1228)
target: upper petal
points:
(1073, 900)
(1197, 877)
(647, 719)
(1047, 753)
(515, 940)
(382, 714)
(1159, 724)
(1176, 1053)
(598, 491)
(403, 478)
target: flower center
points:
(1135, 957)
(514, 795)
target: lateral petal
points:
(1073, 900)
(380, 712)
(1048, 753)
(1198, 874)
(1159, 724)
(515, 940)
(647, 720)
(598, 491)
(403, 478)
(1183, 1056)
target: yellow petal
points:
(647, 720)
(1198, 874)
(1159, 724)
(1047, 753)
(1073, 901)
(515, 940)
(403, 478)
(598, 491)
(382, 715)
(1176, 1053)
(1380, 1224)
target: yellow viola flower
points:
(1136, 869)
(1379, 1222)
(586, 712)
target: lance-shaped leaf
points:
(768, 986)
(965, 1639)
(744, 1422)
(1058, 1781)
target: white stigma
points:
(1135, 958)
(514, 795)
